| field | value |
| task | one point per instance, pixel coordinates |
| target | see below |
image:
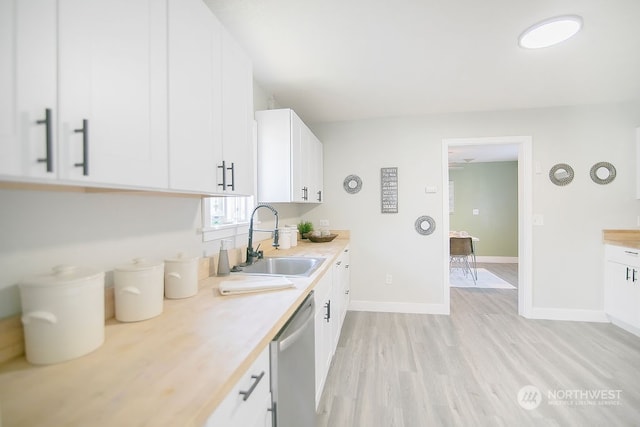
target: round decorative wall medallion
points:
(352, 184)
(603, 173)
(425, 225)
(561, 174)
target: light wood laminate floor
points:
(466, 369)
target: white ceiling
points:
(334, 60)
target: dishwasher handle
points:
(292, 337)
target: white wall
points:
(42, 229)
(567, 249)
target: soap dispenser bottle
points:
(223, 259)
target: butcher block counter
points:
(627, 238)
(172, 370)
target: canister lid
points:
(62, 275)
(182, 257)
(140, 264)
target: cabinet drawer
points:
(623, 255)
(234, 409)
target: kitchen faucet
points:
(251, 253)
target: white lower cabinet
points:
(622, 287)
(322, 323)
(248, 404)
(337, 303)
(345, 278)
(332, 300)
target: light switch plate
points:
(430, 189)
(476, 211)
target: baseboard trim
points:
(498, 259)
(576, 315)
(624, 325)
(398, 307)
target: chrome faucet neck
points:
(251, 254)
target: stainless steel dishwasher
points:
(293, 370)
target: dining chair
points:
(462, 255)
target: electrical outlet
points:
(538, 219)
(323, 223)
(389, 279)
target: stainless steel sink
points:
(284, 266)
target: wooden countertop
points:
(172, 370)
(628, 238)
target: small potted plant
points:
(305, 227)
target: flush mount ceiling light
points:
(550, 32)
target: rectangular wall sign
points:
(389, 190)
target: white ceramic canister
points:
(139, 290)
(180, 276)
(284, 238)
(294, 235)
(62, 314)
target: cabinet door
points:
(28, 39)
(317, 171)
(638, 163)
(274, 155)
(346, 282)
(195, 106)
(621, 292)
(112, 74)
(337, 303)
(299, 159)
(234, 410)
(237, 118)
(264, 417)
(322, 332)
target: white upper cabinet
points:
(145, 94)
(28, 40)
(637, 163)
(289, 159)
(195, 92)
(316, 167)
(210, 104)
(300, 158)
(238, 146)
(113, 92)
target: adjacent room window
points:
(218, 212)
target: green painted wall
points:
(492, 188)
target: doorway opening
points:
(472, 149)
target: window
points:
(218, 212)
